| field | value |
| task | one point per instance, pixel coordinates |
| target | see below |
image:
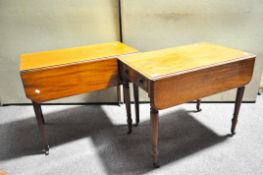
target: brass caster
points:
(46, 150)
(156, 165)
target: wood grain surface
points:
(60, 73)
(159, 63)
(73, 79)
(60, 57)
(174, 90)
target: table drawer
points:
(56, 82)
(134, 76)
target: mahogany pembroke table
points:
(177, 75)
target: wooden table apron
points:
(174, 89)
(56, 82)
(66, 80)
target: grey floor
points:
(93, 140)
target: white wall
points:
(155, 24)
(30, 26)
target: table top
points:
(72, 55)
(161, 63)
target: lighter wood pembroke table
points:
(60, 73)
(177, 75)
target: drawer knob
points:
(141, 81)
(37, 91)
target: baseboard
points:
(112, 103)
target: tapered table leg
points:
(126, 91)
(136, 103)
(239, 97)
(154, 130)
(41, 113)
(198, 109)
(119, 94)
(40, 119)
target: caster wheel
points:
(198, 110)
(46, 150)
(156, 165)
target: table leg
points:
(136, 103)
(239, 96)
(41, 114)
(119, 94)
(154, 131)
(40, 122)
(126, 90)
(198, 109)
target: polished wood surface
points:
(156, 64)
(181, 88)
(178, 75)
(73, 79)
(65, 72)
(193, 77)
(40, 60)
